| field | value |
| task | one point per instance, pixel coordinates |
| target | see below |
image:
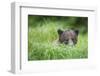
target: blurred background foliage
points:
(80, 23)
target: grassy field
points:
(42, 43)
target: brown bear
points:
(68, 37)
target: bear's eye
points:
(66, 40)
(73, 39)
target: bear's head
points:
(69, 37)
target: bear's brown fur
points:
(69, 37)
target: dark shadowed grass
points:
(42, 44)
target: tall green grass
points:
(42, 43)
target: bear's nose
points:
(70, 42)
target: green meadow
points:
(42, 38)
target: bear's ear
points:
(60, 31)
(76, 32)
